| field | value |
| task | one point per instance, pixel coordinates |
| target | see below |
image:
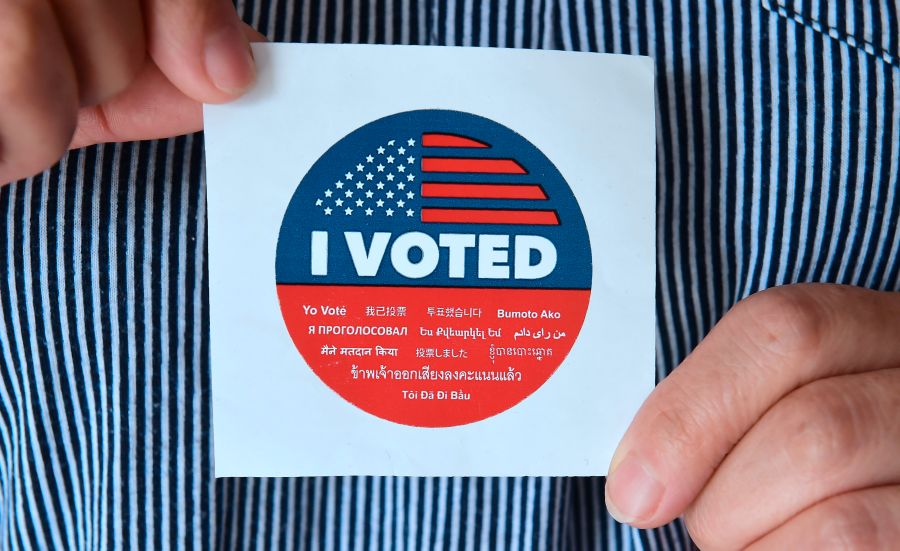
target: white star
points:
(401, 185)
(359, 202)
(369, 158)
(400, 203)
(390, 158)
(401, 168)
(318, 202)
(359, 168)
(359, 185)
(390, 195)
(380, 168)
(409, 212)
(410, 142)
(348, 176)
(381, 151)
(391, 142)
(348, 193)
(369, 177)
(379, 203)
(389, 212)
(410, 160)
(339, 202)
(369, 212)
(379, 185)
(369, 194)
(327, 193)
(339, 185)
(327, 211)
(348, 211)
(410, 177)
(410, 195)
(390, 177)
(401, 150)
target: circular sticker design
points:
(433, 268)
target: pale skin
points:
(780, 431)
(79, 72)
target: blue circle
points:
(340, 195)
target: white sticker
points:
(430, 261)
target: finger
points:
(862, 520)
(37, 92)
(830, 437)
(200, 46)
(151, 108)
(105, 39)
(765, 347)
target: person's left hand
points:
(780, 431)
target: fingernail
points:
(633, 494)
(229, 62)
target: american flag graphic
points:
(423, 210)
(409, 178)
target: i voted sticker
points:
(433, 268)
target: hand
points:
(780, 431)
(113, 69)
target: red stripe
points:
(483, 191)
(450, 140)
(488, 216)
(478, 166)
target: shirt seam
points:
(834, 32)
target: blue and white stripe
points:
(779, 150)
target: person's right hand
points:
(76, 72)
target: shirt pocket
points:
(869, 25)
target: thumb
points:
(200, 46)
(152, 107)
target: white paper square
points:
(592, 115)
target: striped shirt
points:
(778, 154)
